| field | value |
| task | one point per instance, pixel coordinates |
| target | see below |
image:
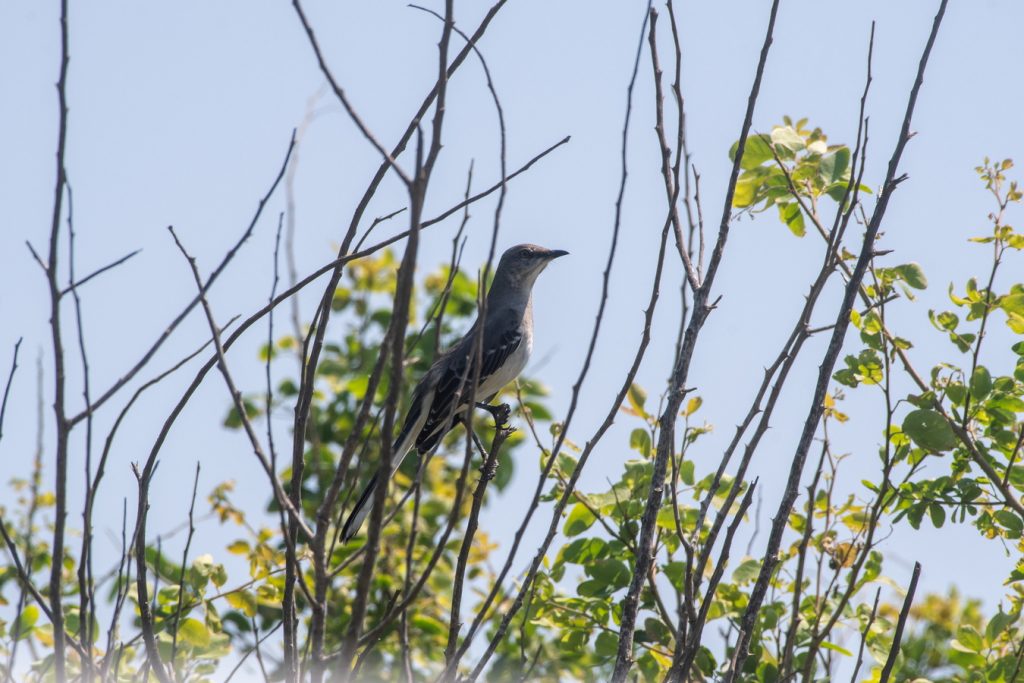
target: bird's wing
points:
(498, 349)
(454, 374)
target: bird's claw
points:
(500, 413)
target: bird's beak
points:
(556, 253)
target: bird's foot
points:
(500, 413)
(489, 468)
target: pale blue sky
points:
(180, 114)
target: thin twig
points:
(7, 386)
(184, 568)
(61, 423)
(152, 650)
(487, 470)
(76, 284)
(864, 636)
(897, 636)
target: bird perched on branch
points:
(441, 398)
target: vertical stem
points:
(62, 427)
(487, 469)
(890, 661)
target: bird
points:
(442, 396)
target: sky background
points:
(180, 114)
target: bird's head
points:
(520, 265)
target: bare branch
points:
(7, 387)
(669, 172)
(487, 470)
(184, 566)
(153, 659)
(61, 423)
(684, 657)
(864, 637)
(897, 636)
(100, 271)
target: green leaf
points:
(1011, 521)
(580, 519)
(981, 383)
(243, 600)
(592, 588)
(583, 550)
(1013, 306)
(1012, 303)
(159, 563)
(675, 571)
(747, 571)
(606, 644)
(937, 514)
(611, 572)
(428, 625)
(755, 152)
(793, 217)
(640, 441)
(27, 620)
(997, 624)
(686, 472)
(785, 136)
(218, 575)
(637, 397)
(768, 672)
(929, 430)
(268, 592)
(969, 638)
(835, 648)
(649, 667)
(912, 274)
(1009, 404)
(239, 547)
(692, 406)
(194, 633)
(746, 192)
(834, 165)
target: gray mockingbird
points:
(442, 396)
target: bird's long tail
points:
(363, 506)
